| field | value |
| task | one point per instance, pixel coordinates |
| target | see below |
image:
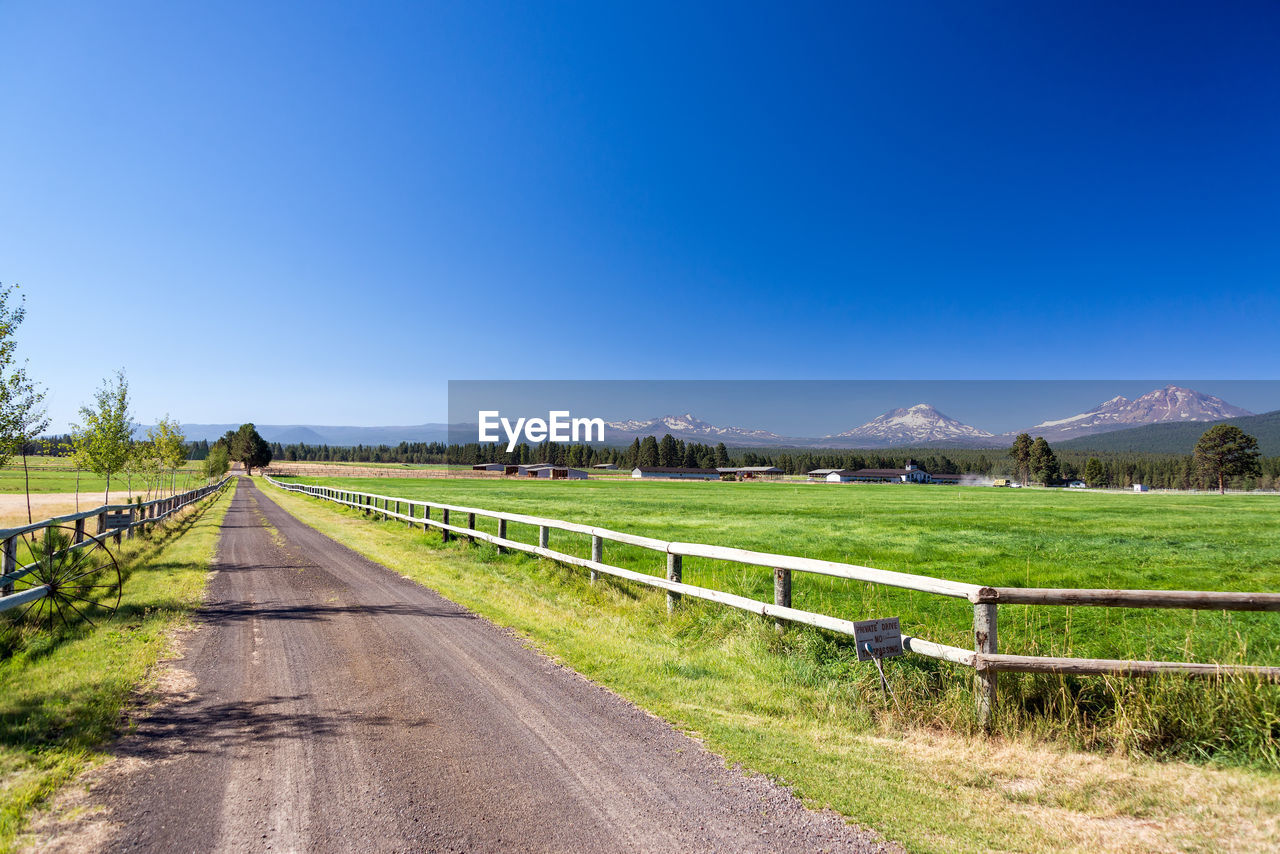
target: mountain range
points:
(920, 425)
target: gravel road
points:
(325, 703)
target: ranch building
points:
(912, 473)
(489, 467)
(673, 473)
(606, 466)
(559, 473)
(821, 474)
(753, 472)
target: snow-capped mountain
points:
(689, 428)
(1171, 403)
(916, 425)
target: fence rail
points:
(985, 658)
(134, 516)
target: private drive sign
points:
(878, 638)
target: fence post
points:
(426, 514)
(985, 642)
(781, 593)
(79, 535)
(471, 523)
(597, 554)
(444, 533)
(674, 572)
(10, 563)
(502, 534)
(102, 522)
(543, 536)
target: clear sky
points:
(320, 213)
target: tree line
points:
(1043, 463)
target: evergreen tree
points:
(648, 454)
(251, 449)
(1044, 465)
(1094, 474)
(722, 456)
(669, 452)
(1226, 451)
(1021, 453)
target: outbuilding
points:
(673, 473)
(752, 472)
(559, 473)
(489, 467)
(606, 466)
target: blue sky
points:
(321, 214)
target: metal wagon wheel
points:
(84, 579)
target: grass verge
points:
(62, 694)
(796, 708)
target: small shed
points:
(1141, 487)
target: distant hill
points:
(1179, 437)
(312, 434)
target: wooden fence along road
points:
(113, 520)
(985, 658)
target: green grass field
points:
(798, 707)
(56, 475)
(62, 694)
(1015, 538)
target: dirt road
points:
(327, 704)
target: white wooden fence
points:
(124, 519)
(984, 658)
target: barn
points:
(912, 473)
(558, 473)
(752, 472)
(673, 473)
(489, 467)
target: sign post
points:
(877, 640)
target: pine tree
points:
(648, 455)
(1021, 453)
(1044, 464)
(1226, 451)
(722, 456)
(1093, 472)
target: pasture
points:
(1015, 538)
(797, 706)
(58, 475)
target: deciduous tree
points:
(103, 439)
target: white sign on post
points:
(878, 638)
